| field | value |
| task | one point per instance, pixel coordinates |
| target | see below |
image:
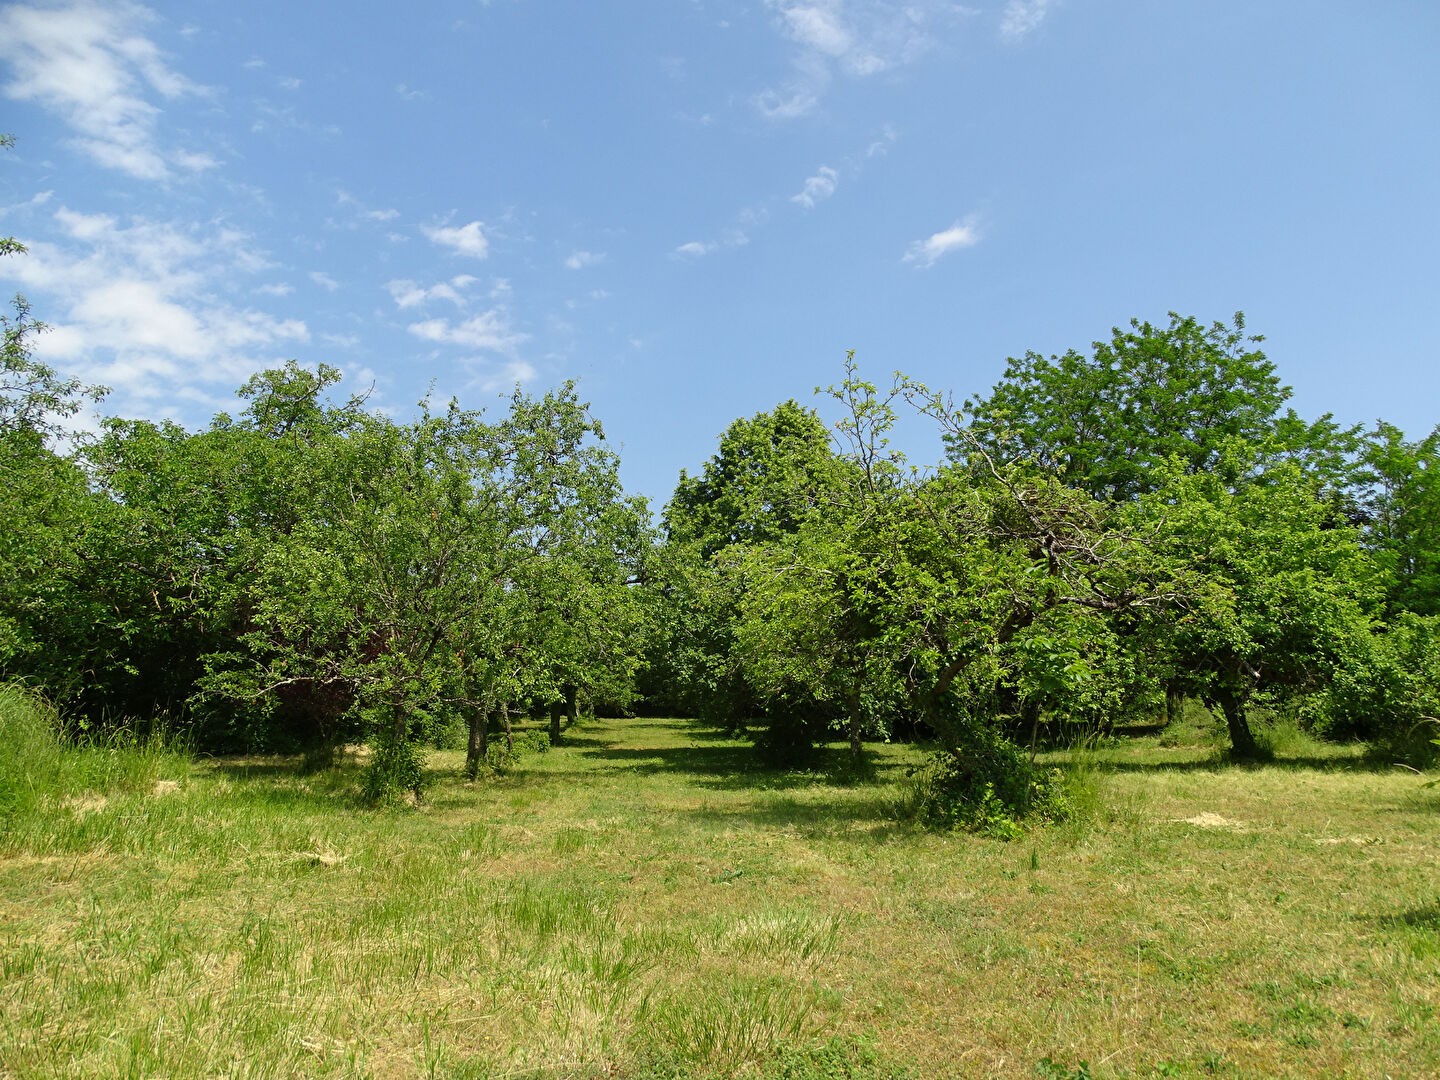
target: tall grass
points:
(39, 766)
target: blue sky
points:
(695, 208)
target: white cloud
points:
(578, 260)
(925, 253)
(490, 331)
(407, 294)
(1022, 16)
(515, 371)
(732, 238)
(344, 198)
(288, 82)
(280, 289)
(818, 26)
(324, 280)
(854, 38)
(817, 188)
(462, 239)
(88, 63)
(146, 308)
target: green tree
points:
(770, 474)
(1109, 422)
(1404, 516)
(1279, 593)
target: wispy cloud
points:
(408, 294)
(1020, 17)
(507, 375)
(490, 331)
(143, 307)
(363, 212)
(926, 253)
(851, 38)
(275, 289)
(578, 260)
(90, 64)
(698, 249)
(466, 239)
(817, 188)
(324, 280)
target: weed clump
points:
(988, 785)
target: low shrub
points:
(988, 785)
(501, 755)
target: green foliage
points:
(1149, 395)
(1388, 691)
(988, 785)
(502, 755)
(1404, 516)
(769, 474)
(1277, 593)
(772, 476)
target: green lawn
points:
(644, 901)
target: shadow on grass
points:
(719, 761)
(1426, 917)
(872, 817)
(1223, 763)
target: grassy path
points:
(642, 901)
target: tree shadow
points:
(716, 760)
(1223, 763)
(1425, 917)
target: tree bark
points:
(572, 704)
(479, 738)
(556, 709)
(505, 726)
(855, 727)
(1174, 703)
(1242, 741)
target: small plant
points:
(501, 755)
(1051, 1069)
(989, 787)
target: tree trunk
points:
(479, 738)
(572, 704)
(556, 709)
(1242, 741)
(505, 726)
(855, 728)
(1174, 703)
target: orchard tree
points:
(771, 474)
(1279, 594)
(1404, 517)
(1109, 422)
(809, 624)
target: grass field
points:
(644, 901)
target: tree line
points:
(1108, 534)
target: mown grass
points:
(644, 901)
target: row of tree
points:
(1109, 534)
